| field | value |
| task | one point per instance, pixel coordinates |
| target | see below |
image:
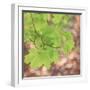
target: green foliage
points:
(48, 38)
(38, 57)
(68, 42)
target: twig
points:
(34, 25)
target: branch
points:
(34, 25)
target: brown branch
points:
(34, 25)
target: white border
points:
(16, 79)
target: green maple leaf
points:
(38, 57)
